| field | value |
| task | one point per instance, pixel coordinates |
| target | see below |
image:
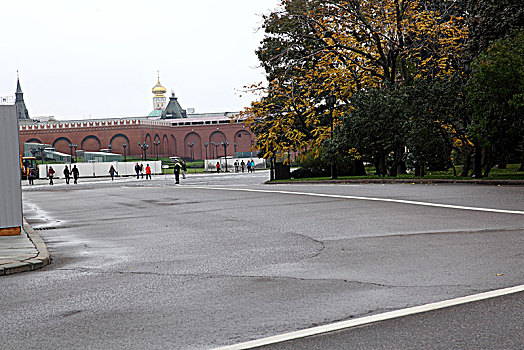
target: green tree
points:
(496, 95)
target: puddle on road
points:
(39, 218)
(68, 249)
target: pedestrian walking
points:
(252, 166)
(112, 172)
(31, 176)
(76, 174)
(184, 169)
(236, 166)
(176, 170)
(248, 166)
(50, 174)
(141, 170)
(67, 174)
(242, 165)
(148, 172)
(137, 170)
(218, 167)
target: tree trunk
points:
(380, 164)
(467, 164)
(359, 168)
(398, 166)
(488, 160)
(522, 162)
(477, 162)
(420, 169)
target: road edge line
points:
(372, 319)
(372, 199)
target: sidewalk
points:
(24, 252)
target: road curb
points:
(404, 181)
(42, 259)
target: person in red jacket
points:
(148, 172)
(51, 174)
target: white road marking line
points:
(372, 319)
(390, 200)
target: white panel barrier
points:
(10, 190)
(100, 169)
(210, 164)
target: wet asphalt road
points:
(148, 264)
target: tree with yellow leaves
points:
(314, 49)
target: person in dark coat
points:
(176, 170)
(31, 176)
(112, 172)
(67, 174)
(184, 169)
(137, 170)
(76, 174)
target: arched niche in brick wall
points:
(243, 141)
(117, 142)
(164, 146)
(149, 140)
(61, 144)
(172, 146)
(91, 143)
(195, 141)
(33, 140)
(217, 137)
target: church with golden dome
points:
(173, 110)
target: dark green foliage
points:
(496, 95)
(490, 20)
(311, 166)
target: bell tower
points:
(159, 99)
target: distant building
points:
(21, 110)
(173, 109)
(159, 99)
(167, 131)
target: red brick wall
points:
(93, 136)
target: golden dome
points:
(158, 89)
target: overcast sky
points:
(99, 58)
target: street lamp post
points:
(124, 145)
(330, 102)
(156, 144)
(41, 148)
(191, 145)
(205, 145)
(71, 150)
(225, 144)
(75, 146)
(144, 148)
(216, 149)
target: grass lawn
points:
(510, 173)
